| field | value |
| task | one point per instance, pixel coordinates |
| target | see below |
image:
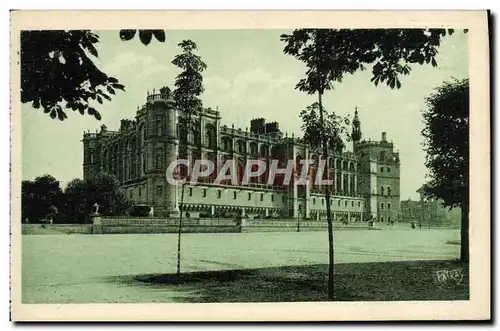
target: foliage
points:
(103, 189)
(43, 198)
(331, 129)
(39, 197)
(334, 53)
(188, 84)
(58, 72)
(446, 144)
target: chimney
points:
(384, 137)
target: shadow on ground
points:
(384, 281)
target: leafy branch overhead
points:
(345, 51)
(58, 72)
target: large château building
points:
(365, 181)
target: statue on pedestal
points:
(95, 209)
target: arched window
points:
(159, 159)
(226, 144)
(351, 166)
(298, 165)
(315, 161)
(381, 206)
(338, 164)
(142, 135)
(210, 136)
(242, 148)
(388, 190)
(264, 150)
(159, 125)
(344, 165)
(381, 190)
(253, 149)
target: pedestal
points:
(96, 223)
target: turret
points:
(356, 129)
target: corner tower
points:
(356, 130)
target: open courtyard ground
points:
(244, 267)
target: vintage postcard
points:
(250, 166)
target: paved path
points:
(81, 268)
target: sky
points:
(248, 76)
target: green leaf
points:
(110, 89)
(61, 115)
(159, 35)
(106, 97)
(95, 113)
(119, 86)
(127, 34)
(53, 113)
(92, 50)
(99, 99)
(145, 36)
(434, 63)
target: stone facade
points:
(365, 181)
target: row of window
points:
(338, 202)
(235, 194)
(383, 190)
(382, 206)
(387, 169)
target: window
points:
(381, 218)
(352, 203)
(388, 169)
(272, 197)
(314, 201)
(338, 202)
(322, 201)
(159, 190)
(204, 192)
(190, 191)
(381, 190)
(219, 193)
(381, 206)
(249, 196)
(381, 169)
(159, 125)
(388, 219)
(262, 197)
(159, 159)
(359, 204)
(389, 206)
(210, 136)
(130, 194)
(234, 195)
(345, 203)
(283, 198)
(388, 190)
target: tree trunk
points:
(327, 190)
(464, 233)
(328, 212)
(180, 231)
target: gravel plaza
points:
(95, 268)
